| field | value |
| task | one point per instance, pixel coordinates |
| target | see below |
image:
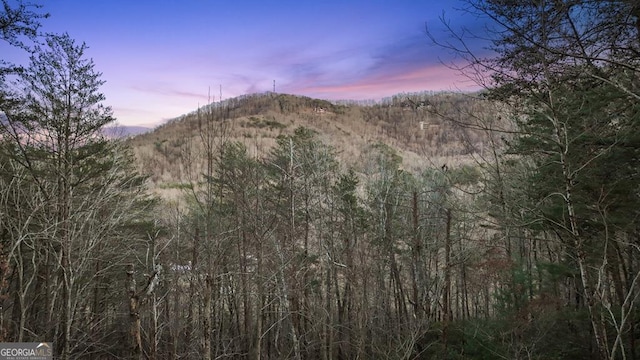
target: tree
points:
(567, 73)
(300, 170)
(90, 195)
(20, 20)
(245, 221)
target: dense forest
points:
(508, 229)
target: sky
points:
(162, 59)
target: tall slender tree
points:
(89, 191)
(568, 72)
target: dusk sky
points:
(159, 58)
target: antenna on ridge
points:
(209, 96)
(274, 86)
(220, 92)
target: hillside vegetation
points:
(408, 123)
(503, 224)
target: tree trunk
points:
(206, 321)
(447, 285)
(416, 267)
(153, 331)
(599, 332)
(135, 346)
(260, 303)
(66, 306)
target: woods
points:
(296, 248)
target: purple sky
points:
(159, 58)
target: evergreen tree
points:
(567, 72)
(87, 193)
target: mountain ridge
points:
(414, 125)
(124, 131)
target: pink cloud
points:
(429, 77)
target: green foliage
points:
(271, 124)
(354, 215)
(381, 156)
(513, 296)
(290, 251)
(76, 208)
(465, 175)
(553, 335)
(176, 185)
(567, 73)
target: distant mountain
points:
(113, 132)
(416, 126)
(120, 131)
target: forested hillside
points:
(502, 224)
(173, 154)
(308, 233)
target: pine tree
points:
(88, 194)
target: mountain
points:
(120, 131)
(425, 129)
